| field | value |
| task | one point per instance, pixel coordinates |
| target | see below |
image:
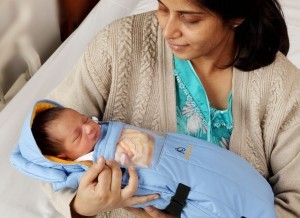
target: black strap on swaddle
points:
(178, 200)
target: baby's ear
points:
(62, 156)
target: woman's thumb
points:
(92, 173)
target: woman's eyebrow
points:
(160, 2)
(183, 11)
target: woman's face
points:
(192, 31)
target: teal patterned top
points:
(195, 116)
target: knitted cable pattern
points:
(147, 69)
(123, 67)
(94, 56)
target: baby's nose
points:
(87, 129)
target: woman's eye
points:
(189, 20)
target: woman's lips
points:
(176, 47)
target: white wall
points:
(291, 10)
(43, 29)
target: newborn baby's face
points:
(134, 148)
(77, 132)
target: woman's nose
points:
(171, 30)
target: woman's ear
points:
(236, 22)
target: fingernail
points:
(99, 159)
(156, 196)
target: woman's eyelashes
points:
(186, 19)
(189, 19)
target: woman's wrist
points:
(74, 213)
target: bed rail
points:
(16, 40)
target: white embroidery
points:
(194, 120)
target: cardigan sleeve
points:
(285, 158)
(285, 162)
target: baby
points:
(193, 177)
(67, 134)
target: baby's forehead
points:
(68, 116)
(64, 124)
(69, 112)
(60, 117)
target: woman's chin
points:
(182, 56)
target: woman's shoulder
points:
(282, 67)
(137, 17)
(280, 83)
(281, 73)
(137, 22)
(275, 84)
(126, 29)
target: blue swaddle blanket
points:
(222, 183)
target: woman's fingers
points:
(106, 193)
(116, 176)
(148, 212)
(130, 190)
(104, 181)
(139, 212)
(141, 199)
(89, 177)
(153, 212)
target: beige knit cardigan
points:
(125, 74)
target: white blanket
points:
(21, 196)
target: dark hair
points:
(40, 130)
(260, 36)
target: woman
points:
(211, 69)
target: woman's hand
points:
(100, 189)
(148, 212)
